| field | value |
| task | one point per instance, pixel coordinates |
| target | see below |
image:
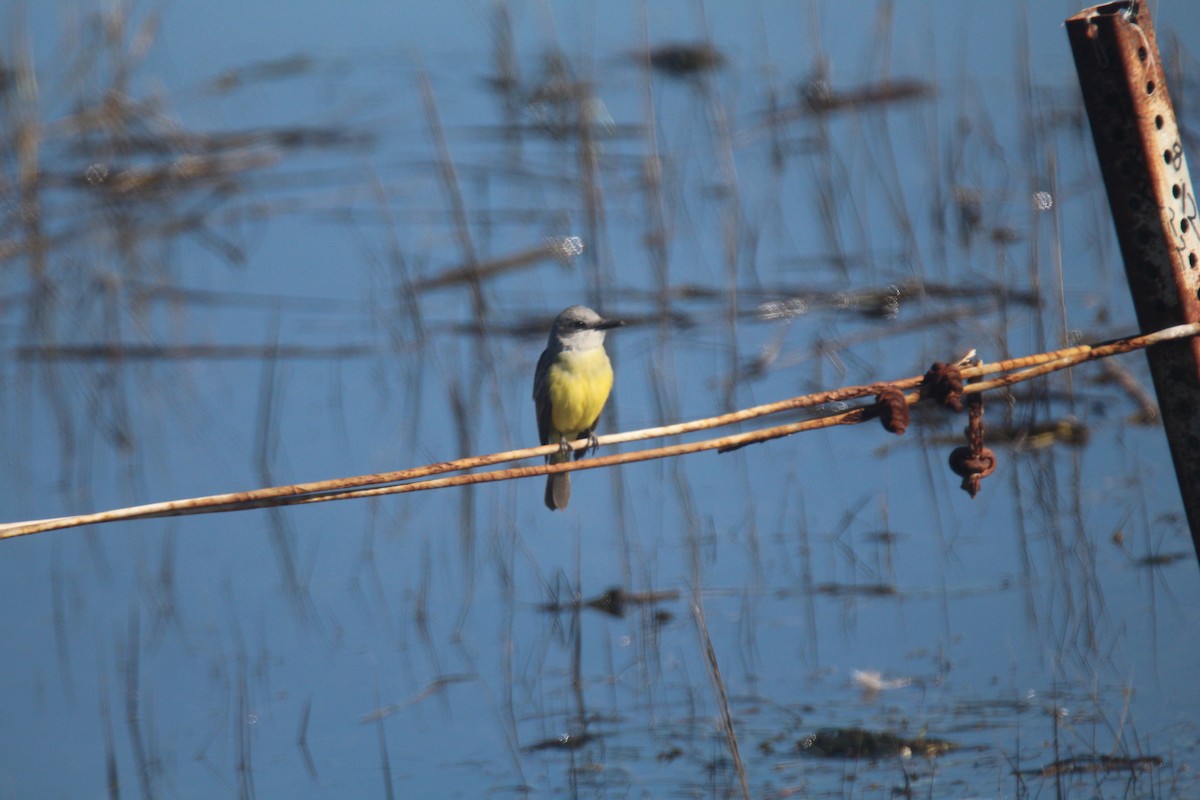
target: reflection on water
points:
(300, 266)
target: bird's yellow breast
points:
(578, 384)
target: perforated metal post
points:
(1153, 205)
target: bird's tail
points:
(558, 486)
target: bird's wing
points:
(541, 396)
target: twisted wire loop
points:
(975, 461)
(892, 409)
(944, 383)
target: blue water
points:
(397, 646)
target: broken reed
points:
(985, 376)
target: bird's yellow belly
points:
(579, 384)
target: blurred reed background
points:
(244, 247)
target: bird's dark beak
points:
(606, 324)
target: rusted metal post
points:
(1153, 205)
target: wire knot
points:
(892, 408)
(943, 382)
(972, 467)
(966, 464)
(974, 462)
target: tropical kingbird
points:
(570, 387)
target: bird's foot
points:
(593, 444)
(564, 447)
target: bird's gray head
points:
(580, 328)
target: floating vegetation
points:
(685, 59)
(1163, 559)
(614, 602)
(821, 99)
(859, 589)
(564, 741)
(1079, 765)
(860, 743)
(1066, 431)
(270, 70)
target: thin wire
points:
(1019, 369)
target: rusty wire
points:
(378, 484)
(975, 461)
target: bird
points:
(570, 387)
